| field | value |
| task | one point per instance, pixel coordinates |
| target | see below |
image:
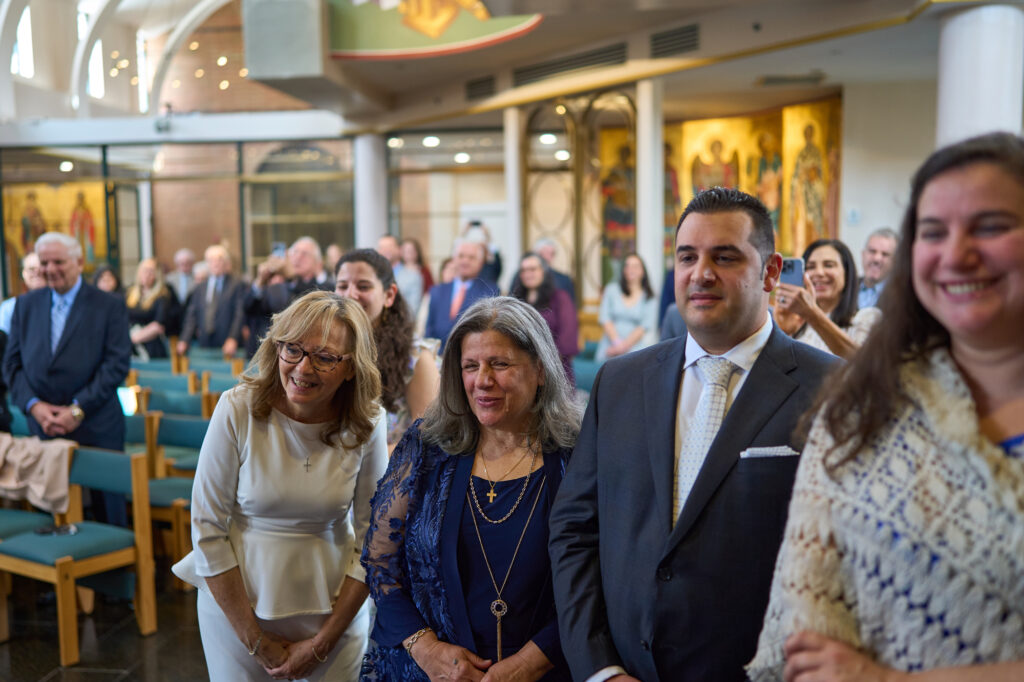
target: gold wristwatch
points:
(77, 412)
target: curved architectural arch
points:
(10, 15)
(191, 21)
(80, 64)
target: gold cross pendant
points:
(491, 495)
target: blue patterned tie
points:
(58, 316)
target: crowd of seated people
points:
(816, 482)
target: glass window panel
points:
(51, 164)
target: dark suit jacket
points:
(682, 603)
(227, 320)
(439, 324)
(91, 361)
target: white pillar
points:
(650, 179)
(371, 190)
(145, 220)
(981, 72)
(513, 129)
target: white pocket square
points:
(776, 451)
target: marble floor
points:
(111, 646)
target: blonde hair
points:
(356, 401)
(136, 297)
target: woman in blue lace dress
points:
(456, 554)
(903, 557)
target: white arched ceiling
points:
(193, 20)
(10, 15)
(80, 64)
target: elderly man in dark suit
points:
(666, 527)
(213, 318)
(450, 299)
(68, 351)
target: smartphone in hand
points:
(792, 271)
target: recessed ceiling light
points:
(243, 72)
(200, 73)
(114, 72)
(66, 166)
(461, 157)
(224, 85)
(115, 54)
(222, 60)
(135, 80)
(563, 155)
(548, 138)
(123, 64)
(396, 142)
(560, 110)
(431, 141)
(194, 45)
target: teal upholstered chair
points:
(96, 548)
(178, 440)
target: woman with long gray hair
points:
(456, 555)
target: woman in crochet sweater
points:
(904, 552)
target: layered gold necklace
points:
(491, 494)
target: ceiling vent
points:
(605, 56)
(480, 88)
(806, 80)
(675, 41)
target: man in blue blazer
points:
(442, 314)
(662, 553)
(68, 352)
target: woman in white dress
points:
(823, 313)
(281, 501)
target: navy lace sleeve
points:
(384, 548)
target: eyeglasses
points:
(292, 353)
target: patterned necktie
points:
(58, 316)
(703, 425)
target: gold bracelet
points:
(316, 655)
(256, 646)
(415, 636)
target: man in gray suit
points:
(662, 550)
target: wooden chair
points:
(170, 500)
(177, 442)
(217, 382)
(19, 422)
(95, 548)
(175, 402)
(163, 381)
(229, 367)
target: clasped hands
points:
(287, 660)
(444, 662)
(55, 420)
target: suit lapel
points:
(448, 549)
(661, 382)
(764, 391)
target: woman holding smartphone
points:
(823, 312)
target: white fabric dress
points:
(291, 512)
(914, 550)
(860, 326)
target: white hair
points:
(65, 240)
